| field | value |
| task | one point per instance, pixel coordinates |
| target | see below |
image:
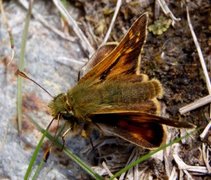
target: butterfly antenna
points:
(22, 74)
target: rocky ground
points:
(54, 61)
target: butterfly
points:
(115, 96)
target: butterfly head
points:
(60, 107)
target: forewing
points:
(124, 58)
(102, 52)
(151, 106)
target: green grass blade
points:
(19, 104)
(39, 168)
(21, 67)
(70, 154)
(34, 157)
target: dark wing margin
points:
(141, 117)
(124, 59)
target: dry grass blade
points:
(9, 30)
(201, 58)
(118, 5)
(167, 11)
(84, 41)
(39, 17)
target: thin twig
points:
(40, 18)
(189, 177)
(107, 170)
(166, 154)
(143, 173)
(173, 175)
(72, 63)
(84, 41)
(198, 103)
(183, 166)
(205, 155)
(118, 5)
(205, 131)
(133, 156)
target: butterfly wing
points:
(140, 117)
(144, 134)
(124, 59)
(142, 129)
(103, 51)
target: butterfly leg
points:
(63, 137)
(48, 150)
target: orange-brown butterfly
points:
(115, 96)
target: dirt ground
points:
(54, 62)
